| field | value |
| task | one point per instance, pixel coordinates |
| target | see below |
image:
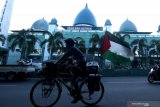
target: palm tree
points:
(126, 35)
(152, 52)
(24, 40)
(2, 39)
(140, 46)
(80, 43)
(95, 43)
(134, 46)
(55, 42)
(152, 49)
(156, 45)
(143, 48)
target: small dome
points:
(128, 26)
(107, 23)
(85, 17)
(40, 24)
(53, 22)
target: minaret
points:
(53, 25)
(5, 18)
(107, 26)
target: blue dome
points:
(107, 23)
(40, 24)
(54, 21)
(128, 26)
(86, 17)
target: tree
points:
(155, 46)
(142, 46)
(2, 39)
(24, 40)
(80, 43)
(95, 43)
(139, 46)
(152, 49)
(55, 42)
(134, 46)
(122, 37)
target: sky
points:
(145, 14)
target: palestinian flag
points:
(115, 50)
(105, 44)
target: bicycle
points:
(47, 92)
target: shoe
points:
(76, 99)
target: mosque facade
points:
(84, 26)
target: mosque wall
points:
(86, 36)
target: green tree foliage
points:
(55, 42)
(24, 40)
(2, 39)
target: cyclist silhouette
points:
(79, 70)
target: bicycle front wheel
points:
(45, 93)
(91, 98)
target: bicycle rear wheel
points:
(45, 93)
(89, 98)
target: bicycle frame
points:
(61, 81)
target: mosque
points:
(84, 26)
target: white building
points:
(5, 19)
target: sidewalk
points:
(124, 72)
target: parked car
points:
(11, 72)
(154, 74)
(36, 64)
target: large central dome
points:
(85, 17)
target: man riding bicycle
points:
(46, 92)
(79, 70)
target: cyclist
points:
(79, 70)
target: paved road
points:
(119, 92)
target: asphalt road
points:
(119, 92)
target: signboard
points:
(82, 28)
